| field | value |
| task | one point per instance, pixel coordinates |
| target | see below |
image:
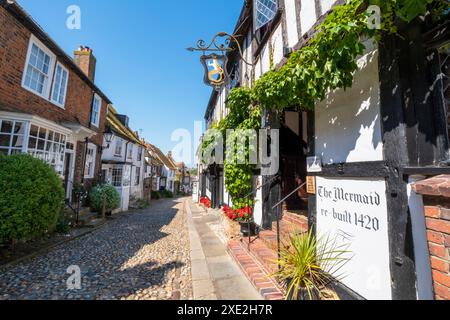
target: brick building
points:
(50, 106)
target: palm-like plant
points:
(308, 264)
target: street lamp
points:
(109, 136)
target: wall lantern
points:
(215, 58)
(109, 136)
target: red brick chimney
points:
(86, 60)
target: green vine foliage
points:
(327, 62)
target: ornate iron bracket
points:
(220, 43)
(215, 58)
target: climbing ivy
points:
(327, 62)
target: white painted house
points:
(123, 159)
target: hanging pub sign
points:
(216, 74)
(214, 58)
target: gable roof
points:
(162, 157)
(118, 127)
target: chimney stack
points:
(86, 60)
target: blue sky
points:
(142, 64)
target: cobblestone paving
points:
(139, 256)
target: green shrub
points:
(31, 198)
(64, 222)
(166, 194)
(156, 195)
(104, 192)
(142, 204)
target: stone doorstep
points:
(255, 272)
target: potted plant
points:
(309, 265)
(245, 219)
(244, 216)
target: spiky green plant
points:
(309, 264)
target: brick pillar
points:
(436, 196)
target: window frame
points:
(255, 17)
(114, 181)
(130, 151)
(51, 67)
(63, 68)
(96, 123)
(91, 172)
(116, 154)
(137, 177)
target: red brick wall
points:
(14, 41)
(436, 193)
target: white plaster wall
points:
(348, 125)
(291, 22)
(307, 15)
(277, 45)
(326, 5)
(258, 69)
(109, 153)
(265, 59)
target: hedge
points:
(31, 198)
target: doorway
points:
(293, 153)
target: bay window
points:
(12, 136)
(47, 145)
(22, 136)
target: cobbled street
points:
(138, 256)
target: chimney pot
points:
(87, 62)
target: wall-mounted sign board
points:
(311, 185)
(353, 212)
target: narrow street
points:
(138, 256)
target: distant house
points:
(172, 176)
(183, 180)
(164, 170)
(123, 159)
(156, 167)
(50, 106)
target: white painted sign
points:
(354, 213)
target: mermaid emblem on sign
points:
(215, 73)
